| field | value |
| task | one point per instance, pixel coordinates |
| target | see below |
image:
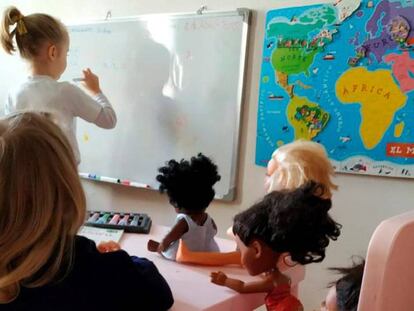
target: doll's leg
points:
(184, 255)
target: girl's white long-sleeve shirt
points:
(64, 101)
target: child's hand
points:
(218, 278)
(107, 247)
(91, 81)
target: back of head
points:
(42, 203)
(348, 286)
(189, 184)
(31, 32)
(299, 162)
(293, 221)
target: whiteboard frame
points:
(246, 19)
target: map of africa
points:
(341, 74)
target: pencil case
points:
(129, 222)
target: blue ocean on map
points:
(367, 30)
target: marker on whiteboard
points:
(133, 184)
(114, 180)
(139, 185)
(78, 79)
(108, 179)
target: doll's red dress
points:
(280, 299)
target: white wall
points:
(360, 204)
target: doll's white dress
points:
(197, 238)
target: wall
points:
(360, 204)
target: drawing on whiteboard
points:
(85, 137)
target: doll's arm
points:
(214, 224)
(265, 285)
(175, 234)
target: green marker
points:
(103, 219)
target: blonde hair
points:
(299, 162)
(38, 29)
(42, 203)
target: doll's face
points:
(330, 303)
(257, 257)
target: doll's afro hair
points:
(189, 184)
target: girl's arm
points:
(265, 285)
(107, 116)
(140, 278)
(96, 109)
(175, 234)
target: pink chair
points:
(388, 281)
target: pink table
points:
(191, 284)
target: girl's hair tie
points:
(21, 26)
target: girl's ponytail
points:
(11, 17)
(31, 32)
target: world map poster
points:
(341, 74)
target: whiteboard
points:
(176, 84)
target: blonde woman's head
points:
(32, 33)
(42, 203)
(296, 163)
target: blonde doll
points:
(44, 265)
(43, 42)
(296, 163)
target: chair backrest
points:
(388, 280)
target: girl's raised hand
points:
(91, 81)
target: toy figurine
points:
(291, 166)
(189, 186)
(296, 163)
(288, 221)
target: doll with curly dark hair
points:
(189, 186)
(294, 222)
(343, 294)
